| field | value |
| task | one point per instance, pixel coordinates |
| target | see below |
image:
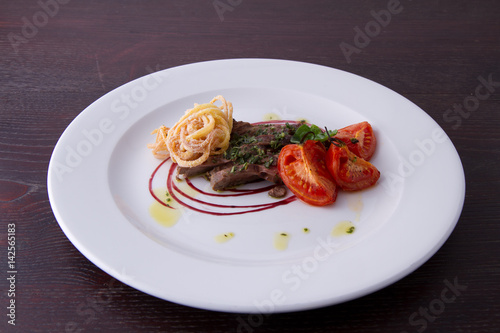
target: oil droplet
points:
(343, 228)
(302, 119)
(281, 241)
(355, 203)
(271, 116)
(222, 238)
(166, 216)
(306, 230)
(184, 187)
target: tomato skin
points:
(350, 172)
(363, 133)
(302, 169)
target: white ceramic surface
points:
(98, 188)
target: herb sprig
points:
(313, 132)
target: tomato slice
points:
(302, 168)
(350, 172)
(359, 138)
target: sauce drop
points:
(343, 228)
(281, 240)
(271, 116)
(222, 238)
(163, 209)
(187, 187)
(165, 216)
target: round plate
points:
(100, 169)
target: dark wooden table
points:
(58, 56)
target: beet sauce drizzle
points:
(236, 192)
(173, 189)
(150, 184)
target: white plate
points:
(98, 188)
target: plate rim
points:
(51, 184)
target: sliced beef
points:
(251, 156)
(227, 176)
(211, 163)
(241, 127)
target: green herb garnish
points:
(269, 162)
(313, 132)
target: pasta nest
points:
(203, 131)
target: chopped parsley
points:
(269, 162)
(259, 146)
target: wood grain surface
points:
(59, 56)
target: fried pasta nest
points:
(203, 131)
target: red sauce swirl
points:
(178, 194)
